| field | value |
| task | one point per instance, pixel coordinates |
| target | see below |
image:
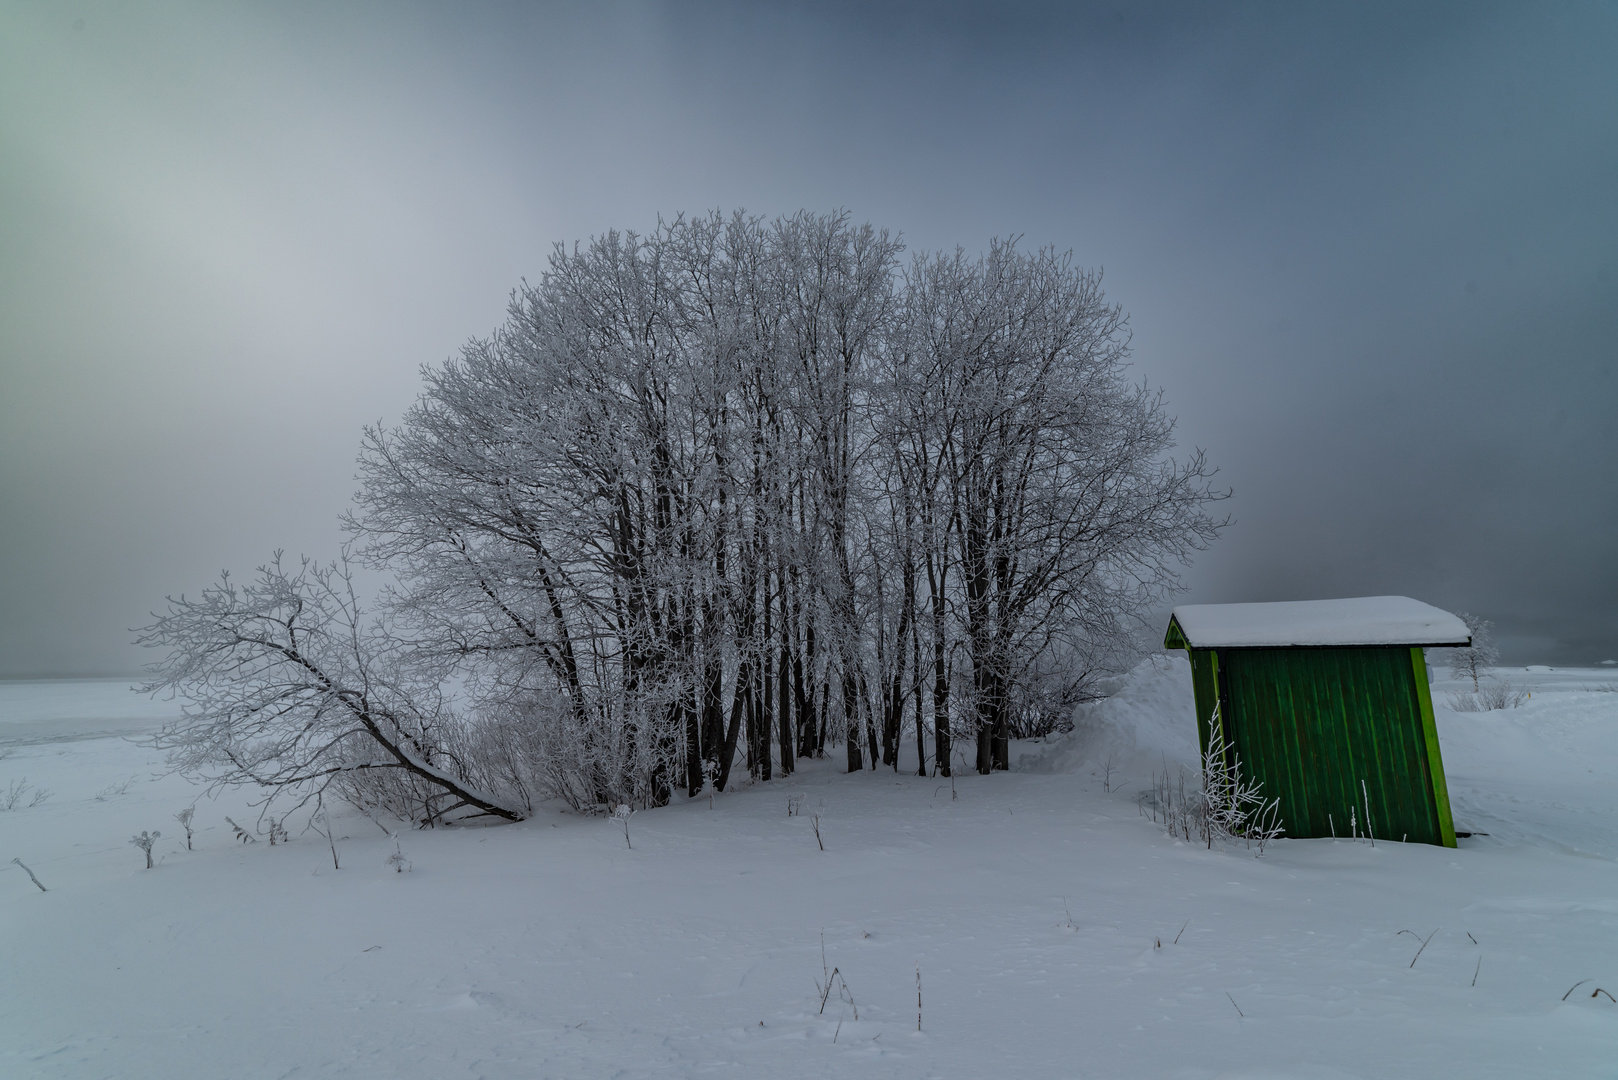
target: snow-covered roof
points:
(1359, 620)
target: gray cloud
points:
(1370, 253)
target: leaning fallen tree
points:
(288, 690)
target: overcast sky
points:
(1369, 252)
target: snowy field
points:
(1058, 932)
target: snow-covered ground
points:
(1057, 931)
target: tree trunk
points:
(810, 725)
(941, 740)
(744, 679)
(851, 720)
(921, 737)
(870, 720)
(766, 696)
(784, 703)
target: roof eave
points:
(1186, 643)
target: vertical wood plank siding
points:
(1203, 685)
(1312, 725)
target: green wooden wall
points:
(1314, 725)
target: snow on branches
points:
(721, 495)
(289, 689)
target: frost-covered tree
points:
(1473, 661)
(1064, 514)
(718, 496)
(289, 690)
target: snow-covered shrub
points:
(184, 818)
(1225, 808)
(1041, 700)
(145, 841)
(1490, 694)
(18, 789)
(16, 793)
(120, 788)
(1234, 808)
(13, 795)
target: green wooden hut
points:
(1325, 702)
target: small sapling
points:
(119, 788)
(184, 818)
(145, 841)
(12, 796)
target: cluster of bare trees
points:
(721, 496)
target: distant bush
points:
(1491, 694)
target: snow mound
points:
(1151, 719)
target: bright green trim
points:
(1435, 761)
(1174, 638)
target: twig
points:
(1182, 930)
(918, 995)
(1423, 948)
(844, 993)
(825, 991)
(1574, 987)
(814, 820)
(1476, 970)
(1237, 1007)
(1418, 937)
(43, 889)
(330, 839)
(1610, 998)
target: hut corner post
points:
(1435, 761)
